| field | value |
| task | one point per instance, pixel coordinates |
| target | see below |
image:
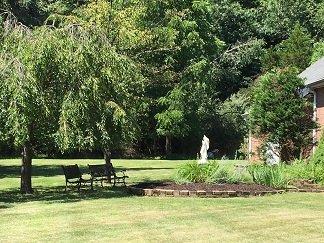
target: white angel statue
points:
(204, 150)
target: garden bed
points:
(305, 186)
(201, 189)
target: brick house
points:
(314, 82)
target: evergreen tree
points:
(280, 113)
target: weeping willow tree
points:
(65, 87)
(99, 108)
(29, 92)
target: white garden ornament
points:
(204, 151)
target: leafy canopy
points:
(30, 88)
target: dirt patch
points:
(203, 187)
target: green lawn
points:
(113, 215)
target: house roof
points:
(314, 74)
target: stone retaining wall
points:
(187, 193)
(305, 190)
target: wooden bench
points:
(106, 172)
(73, 176)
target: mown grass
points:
(113, 215)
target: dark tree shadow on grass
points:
(145, 168)
(13, 171)
(58, 195)
(9, 198)
(147, 183)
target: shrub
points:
(280, 114)
(318, 173)
(303, 170)
(239, 178)
(316, 163)
(299, 169)
(226, 175)
(273, 176)
(209, 173)
(193, 172)
(318, 156)
(221, 176)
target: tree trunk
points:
(26, 170)
(168, 145)
(154, 146)
(286, 155)
(107, 155)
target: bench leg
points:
(79, 186)
(65, 186)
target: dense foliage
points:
(315, 166)
(299, 173)
(194, 55)
(281, 114)
(143, 75)
(66, 88)
(102, 97)
(30, 93)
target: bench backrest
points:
(101, 170)
(71, 171)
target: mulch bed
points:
(305, 186)
(172, 189)
(204, 187)
(214, 190)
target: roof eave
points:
(316, 84)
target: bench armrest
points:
(119, 170)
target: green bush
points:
(304, 170)
(226, 175)
(222, 175)
(300, 170)
(316, 163)
(236, 178)
(318, 156)
(280, 114)
(272, 176)
(209, 173)
(318, 174)
(193, 172)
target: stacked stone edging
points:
(198, 193)
(305, 190)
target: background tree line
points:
(143, 77)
